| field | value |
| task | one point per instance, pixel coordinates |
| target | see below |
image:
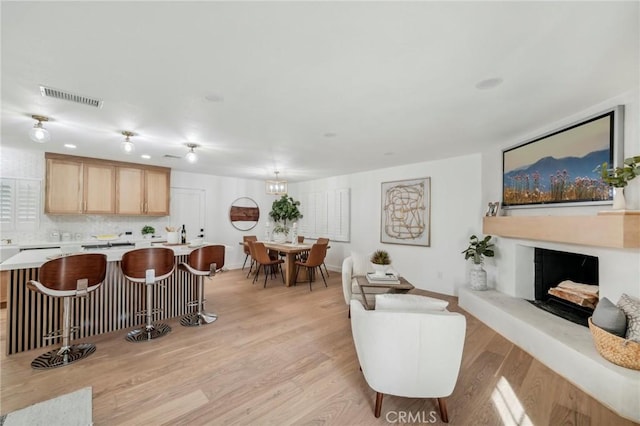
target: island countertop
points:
(35, 258)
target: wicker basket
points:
(622, 352)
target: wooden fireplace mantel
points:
(617, 229)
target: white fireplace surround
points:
(565, 347)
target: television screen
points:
(563, 167)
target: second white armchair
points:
(409, 353)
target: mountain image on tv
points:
(550, 180)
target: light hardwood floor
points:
(280, 356)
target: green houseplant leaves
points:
(478, 249)
(285, 209)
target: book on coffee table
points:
(388, 278)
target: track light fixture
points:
(38, 133)
(191, 155)
(127, 146)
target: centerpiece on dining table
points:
(282, 210)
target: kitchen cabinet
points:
(75, 187)
(142, 191)
(79, 185)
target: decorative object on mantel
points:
(619, 177)
(282, 210)
(477, 250)
(380, 261)
(493, 208)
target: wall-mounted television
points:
(562, 167)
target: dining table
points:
(290, 251)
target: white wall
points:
(619, 269)
(456, 213)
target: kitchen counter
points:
(35, 258)
(113, 306)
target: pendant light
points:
(191, 155)
(127, 146)
(277, 186)
(38, 133)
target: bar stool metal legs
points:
(199, 317)
(151, 330)
(67, 354)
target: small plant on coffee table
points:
(380, 257)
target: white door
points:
(188, 209)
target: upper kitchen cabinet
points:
(142, 191)
(74, 186)
(78, 185)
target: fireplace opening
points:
(553, 268)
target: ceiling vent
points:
(171, 156)
(72, 97)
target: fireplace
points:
(551, 268)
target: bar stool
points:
(68, 277)
(148, 266)
(203, 262)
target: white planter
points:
(380, 270)
(478, 277)
(279, 237)
(619, 203)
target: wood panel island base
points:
(114, 306)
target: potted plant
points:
(619, 177)
(148, 231)
(478, 249)
(282, 210)
(380, 261)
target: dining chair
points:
(324, 241)
(246, 249)
(315, 259)
(263, 260)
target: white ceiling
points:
(313, 89)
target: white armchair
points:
(409, 353)
(350, 288)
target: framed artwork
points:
(406, 212)
(493, 208)
(563, 167)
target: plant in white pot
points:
(478, 249)
(282, 210)
(380, 261)
(619, 177)
(148, 231)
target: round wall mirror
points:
(244, 214)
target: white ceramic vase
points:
(380, 270)
(619, 203)
(478, 277)
(279, 237)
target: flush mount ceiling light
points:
(191, 155)
(489, 83)
(277, 186)
(38, 133)
(127, 146)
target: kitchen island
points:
(31, 315)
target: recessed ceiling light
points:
(388, 153)
(70, 146)
(214, 97)
(145, 156)
(330, 135)
(489, 83)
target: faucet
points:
(8, 240)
